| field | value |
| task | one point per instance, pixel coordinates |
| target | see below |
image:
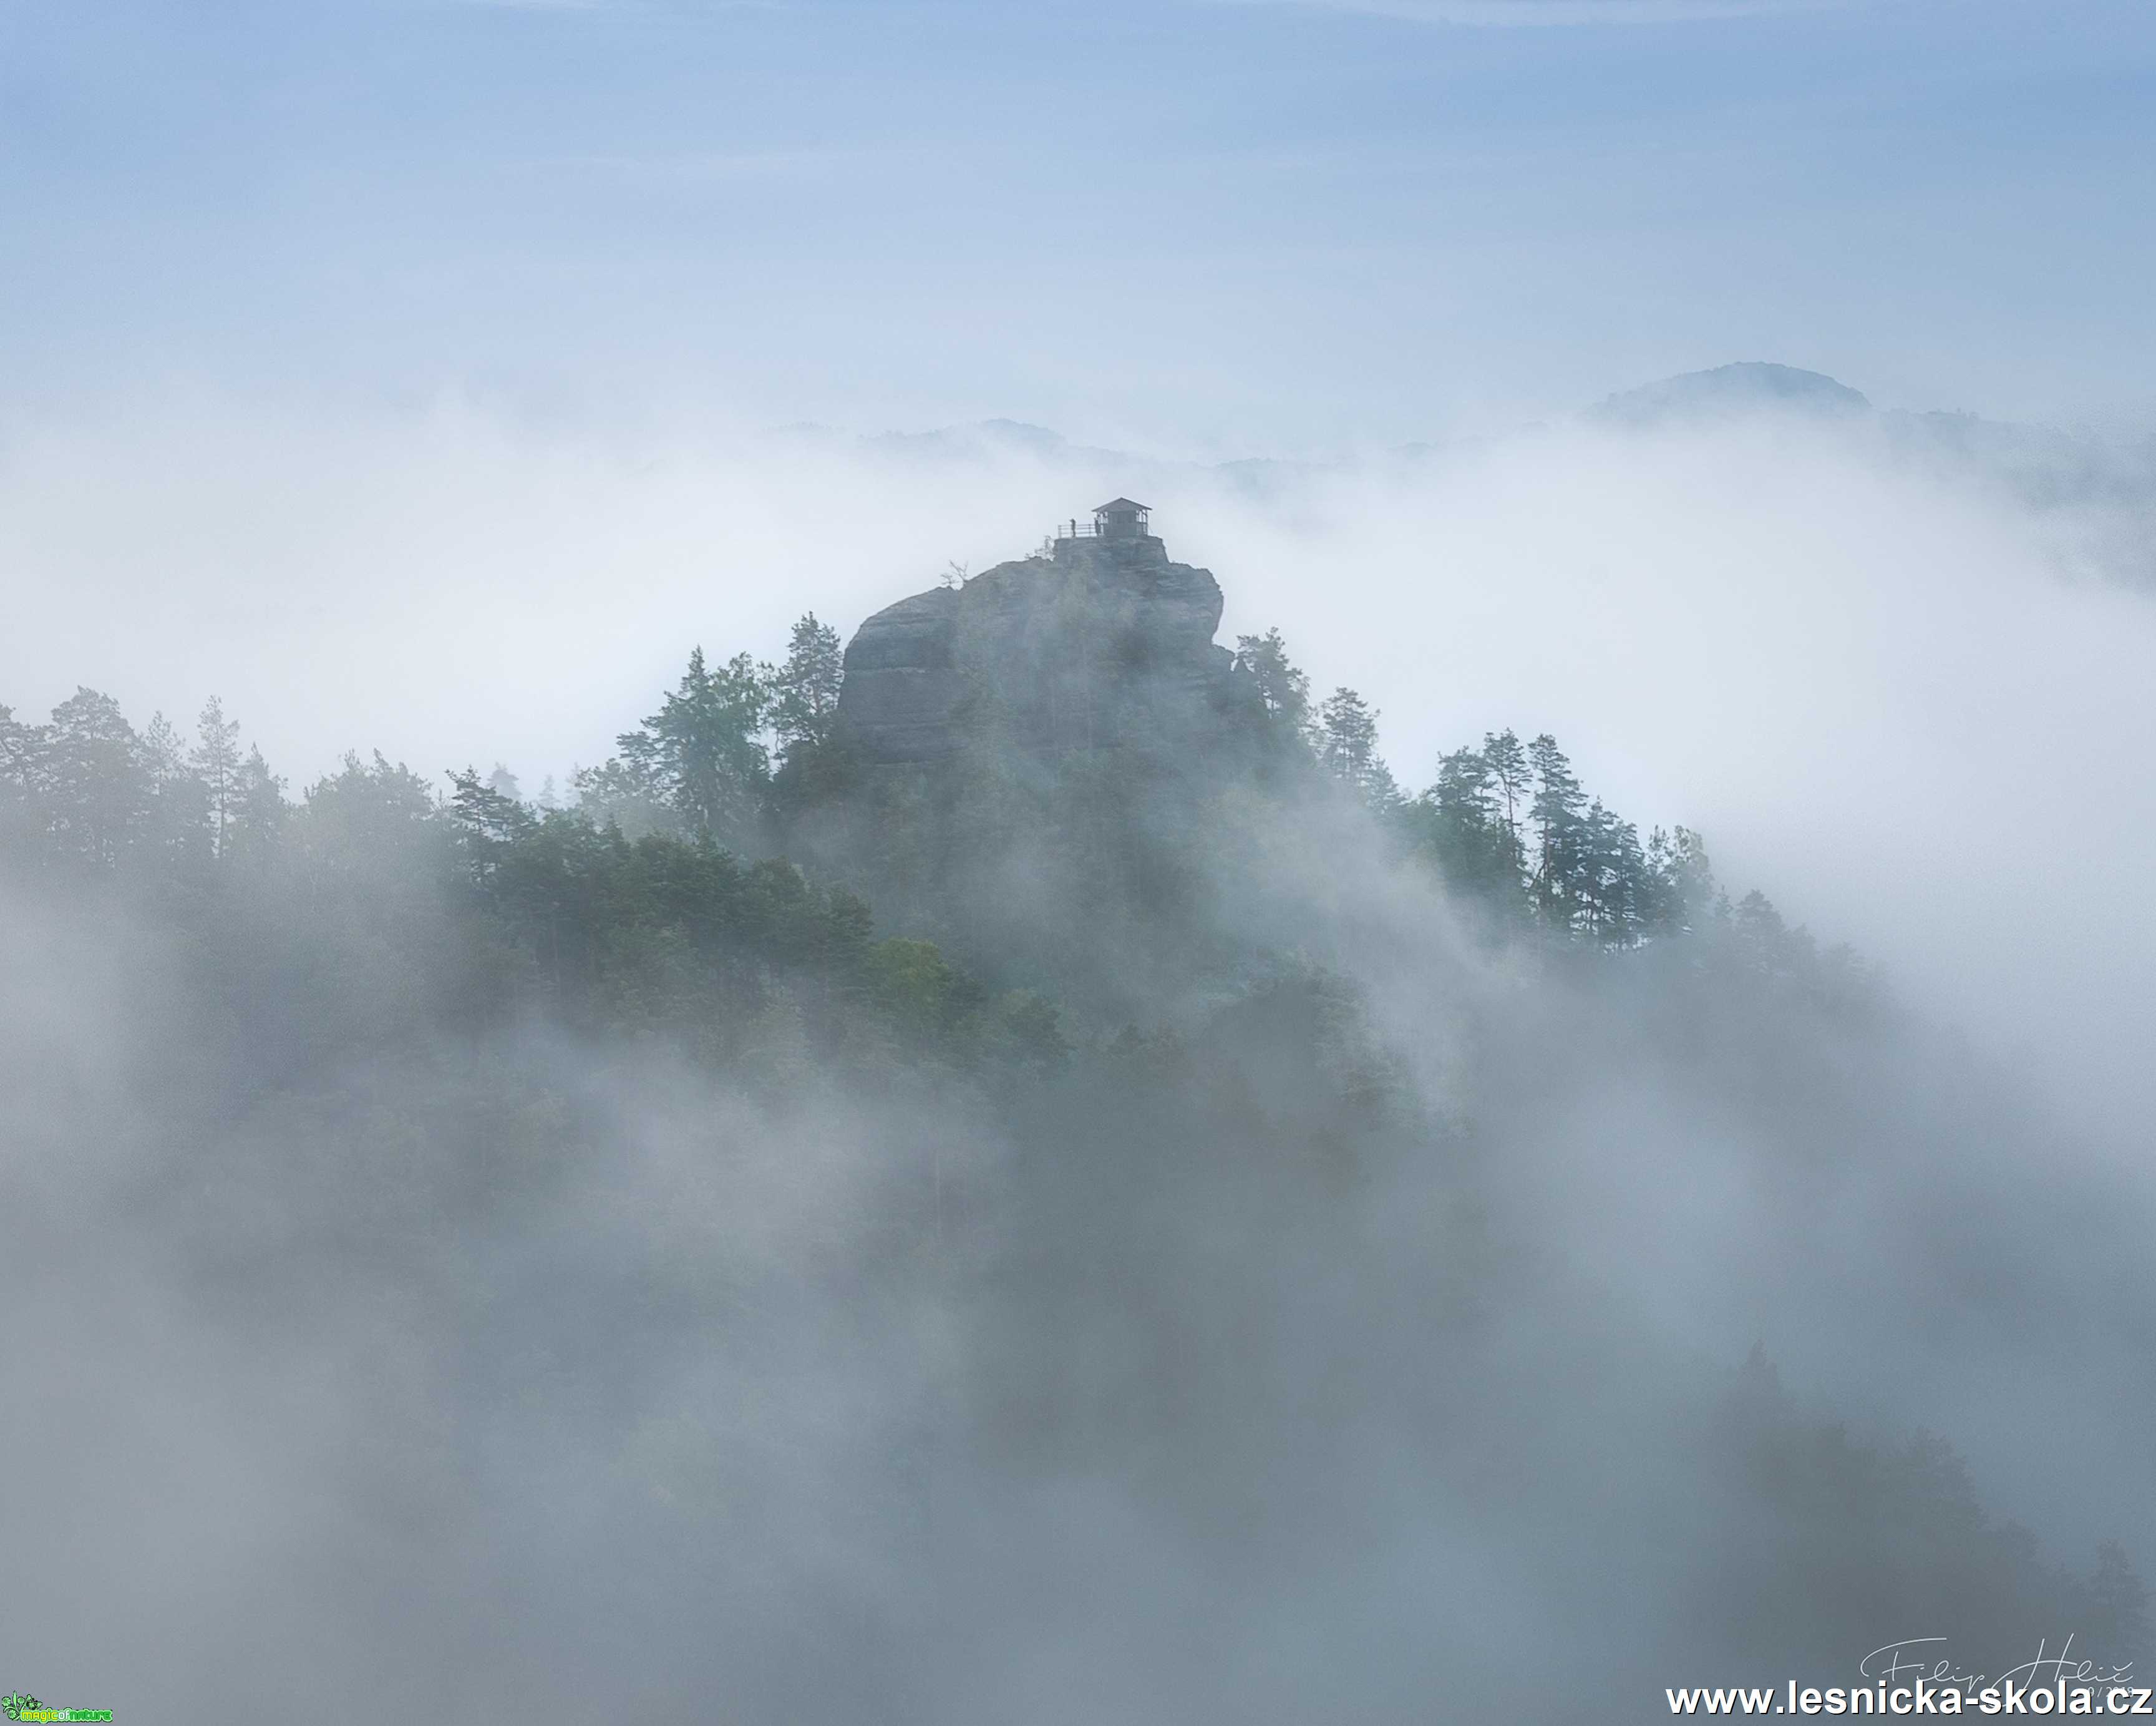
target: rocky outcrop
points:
(1105, 645)
(1030, 767)
(902, 686)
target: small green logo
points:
(28, 1708)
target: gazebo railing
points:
(1075, 529)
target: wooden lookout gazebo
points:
(1119, 518)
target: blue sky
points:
(1214, 226)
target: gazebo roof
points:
(1122, 503)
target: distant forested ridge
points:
(1211, 1233)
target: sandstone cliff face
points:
(1107, 646)
(1030, 769)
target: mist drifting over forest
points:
(1166, 1185)
(1251, 861)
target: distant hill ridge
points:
(2106, 481)
(1743, 387)
(1747, 386)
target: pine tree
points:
(176, 819)
(1286, 690)
(702, 753)
(93, 780)
(1458, 823)
(19, 746)
(1506, 759)
(805, 691)
(1559, 814)
(1613, 880)
(1347, 745)
(258, 811)
(1680, 884)
(491, 818)
(216, 761)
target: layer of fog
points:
(711, 1406)
(319, 1402)
(1890, 695)
(1883, 697)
